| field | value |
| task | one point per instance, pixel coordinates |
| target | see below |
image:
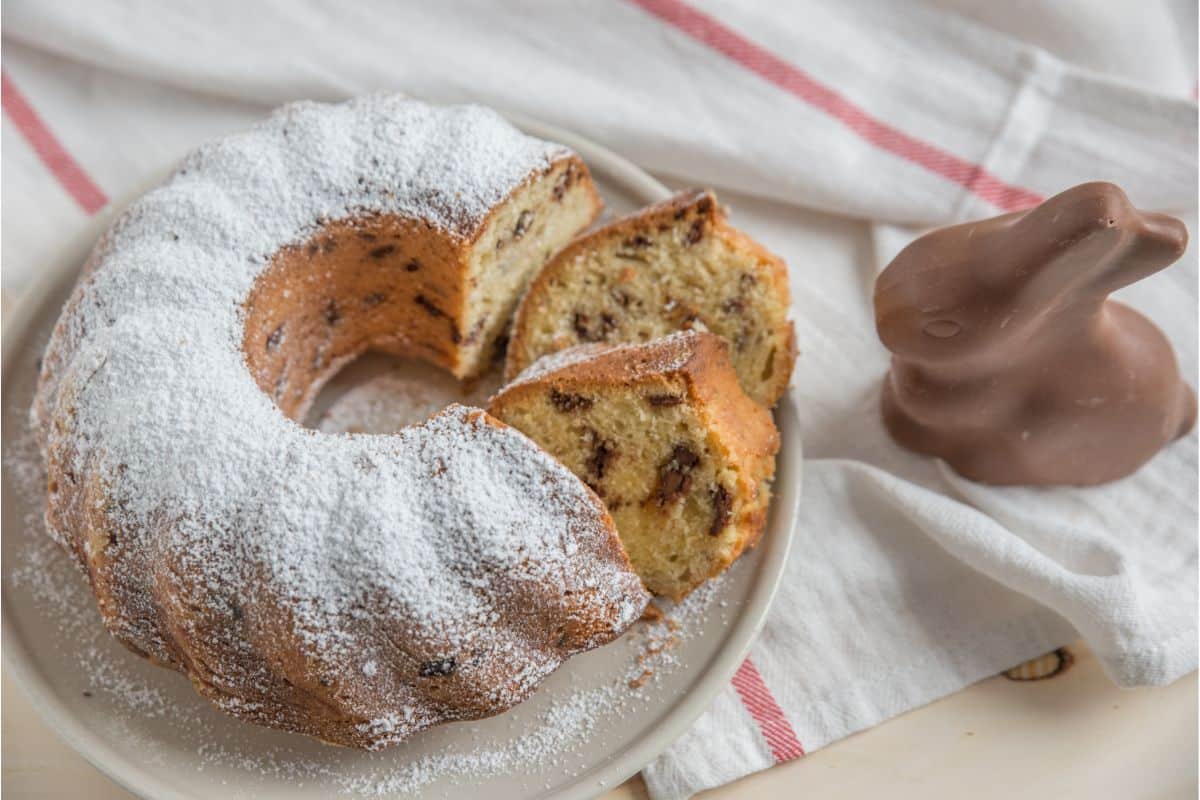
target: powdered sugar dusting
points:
(269, 556)
(671, 353)
(555, 734)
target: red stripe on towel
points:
(767, 65)
(60, 163)
(759, 701)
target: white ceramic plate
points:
(585, 730)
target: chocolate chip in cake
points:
(674, 476)
(769, 367)
(722, 503)
(438, 667)
(598, 331)
(566, 402)
(608, 324)
(734, 305)
(564, 182)
(685, 456)
(374, 299)
(427, 304)
(333, 314)
(476, 330)
(383, 251)
(603, 452)
(499, 346)
(412, 266)
(523, 223)
(695, 233)
(274, 338)
(630, 247)
(664, 400)
(580, 324)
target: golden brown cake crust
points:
(354, 588)
(697, 217)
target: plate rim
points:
(677, 718)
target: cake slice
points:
(673, 266)
(664, 434)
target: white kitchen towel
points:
(906, 582)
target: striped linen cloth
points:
(906, 583)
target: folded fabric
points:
(893, 112)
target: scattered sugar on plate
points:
(134, 690)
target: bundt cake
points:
(356, 588)
(662, 431)
(673, 266)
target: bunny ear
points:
(1091, 238)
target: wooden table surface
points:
(1074, 735)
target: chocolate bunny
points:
(1010, 363)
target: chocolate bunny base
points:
(1010, 363)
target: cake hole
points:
(379, 394)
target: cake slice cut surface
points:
(674, 266)
(664, 434)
